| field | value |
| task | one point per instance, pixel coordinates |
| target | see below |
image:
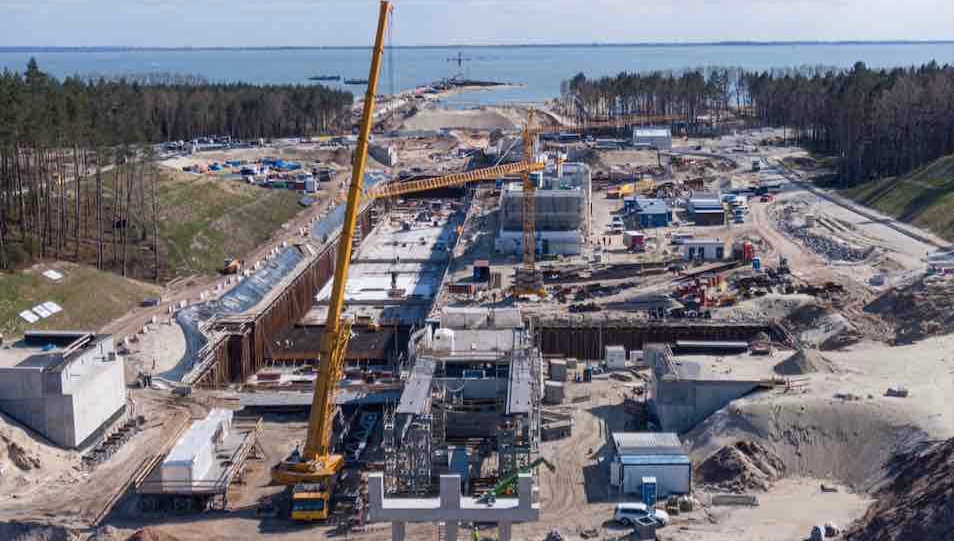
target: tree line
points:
(75, 172)
(879, 122)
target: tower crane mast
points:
(528, 280)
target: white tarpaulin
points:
(52, 307)
(42, 312)
(53, 275)
(29, 316)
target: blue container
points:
(481, 274)
(756, 263)
(629, 204)
(648, 491)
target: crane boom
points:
(456, 179)
(318, 441)
(316, 463)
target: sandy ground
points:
(838, 425)
(76, 497)
(158, 350)
(435, 119)
(28, 462)
(576, 497)
(785, 513)
(482, 118)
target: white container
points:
(615, 357)
(444, 340)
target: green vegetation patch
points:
(924, 197)
(205, 220)
(89, 298)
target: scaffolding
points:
(408, 453)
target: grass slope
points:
(205, 220)
(924, 197)
(89, 298)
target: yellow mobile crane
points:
(313, 470)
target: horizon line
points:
(119, 48)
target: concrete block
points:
(558, 370)
(553, 392)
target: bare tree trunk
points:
(78, 183)
(155, 222)
(124, 220)
(99, 211)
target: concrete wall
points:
(556, 210)
(98, 398)
(706, 251)
(548, 242)
(670, 478)
(682, 404)
(477, 389)
(386, 155)
(659, 142)
(66, 405)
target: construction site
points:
(517, 326)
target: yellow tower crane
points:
(528, 280)
(313, 470)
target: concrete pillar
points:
(503, 531)
(397, 531)
(450, 530)
(450, 492)
(375, 495)
(525, 491)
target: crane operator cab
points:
(312, 484)
(310, 502)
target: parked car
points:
(767, 198)
(628, 513)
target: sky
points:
(265, 23)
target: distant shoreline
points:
(113, 49)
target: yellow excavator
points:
(313, 470)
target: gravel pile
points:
(791, 222)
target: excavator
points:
(506, 485)
(313, 470)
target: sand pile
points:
(771, 306)
(803, 361)
(741, 467)
(918, 503)
(151, 534)
(480, 119)
(814, 435)
(817, 327)
(18, 531)
(26, 461)
(918, 310)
